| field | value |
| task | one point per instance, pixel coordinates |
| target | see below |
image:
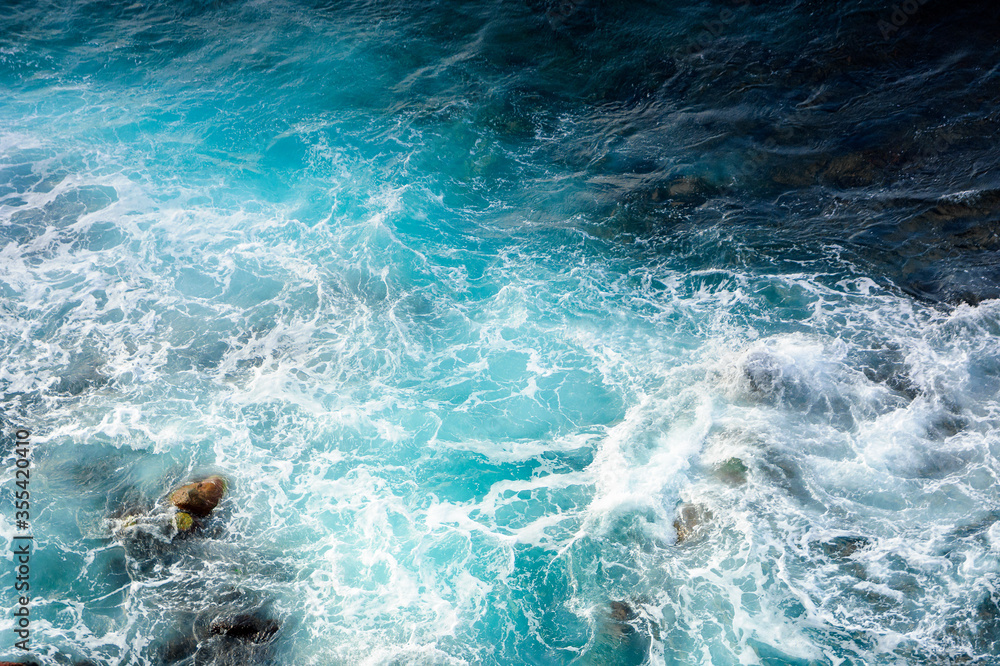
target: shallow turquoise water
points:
(468, 302)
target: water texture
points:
(524, 331)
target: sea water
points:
(523, 332)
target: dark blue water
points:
(524, 331)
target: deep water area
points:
(521, 331)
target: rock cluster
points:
(170, 533)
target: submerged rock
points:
(237, 639)
(200, 498)
(246, 627)
(685, 191)
(178, 650)
(134, 526)
(83, 373)
(622, 637)
(232, 640)
(977, 529)
(987, 619)
(764, 374)
(785, 473)
(844, 546)
(690, 519)
(732, 471)
(622, 612)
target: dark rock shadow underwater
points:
(197, 584)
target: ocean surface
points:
(523, 331)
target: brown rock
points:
(199, 498)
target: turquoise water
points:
(476, 304)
